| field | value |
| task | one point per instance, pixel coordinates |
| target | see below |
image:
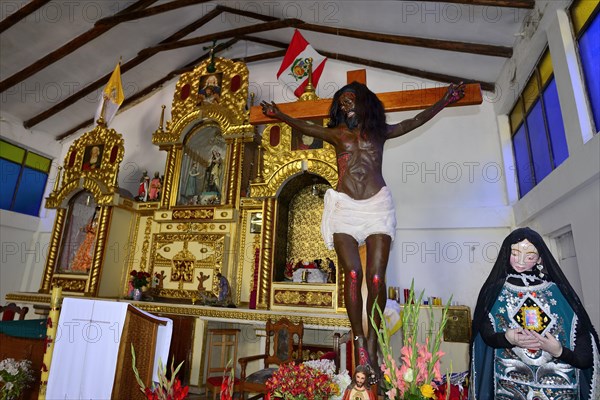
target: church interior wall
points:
(25, 238)
(452, 180)
(568, 198)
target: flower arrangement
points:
(139, 279)
(15, 377)
(167, 389)
(458, 387)
(339, 382)
(293, 381)
(417, 370)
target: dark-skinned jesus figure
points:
(361, 209)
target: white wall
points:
(448, 183)
(23, 238)
(569, 198)
(446, 179)
(452, 180)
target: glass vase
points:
(137, 294)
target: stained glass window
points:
(23, 178)
(586, 23)
(538, 132)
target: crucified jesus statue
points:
(361, 209)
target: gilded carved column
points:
(268, 243)
(101, 238)
(171, 176)
(236, 172)
(53, 249)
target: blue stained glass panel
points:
(538, 140)
(556, 126)
(9, 174)
(30, 193)
(524, 171)
(589, 50)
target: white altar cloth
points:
(87, 346)
(315, 275)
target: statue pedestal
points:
(304, 296)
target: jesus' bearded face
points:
(348, 106)
(360, 379)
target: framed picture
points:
(92, 157)
(533, 315)
(210, 88)
(256, 220)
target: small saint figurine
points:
(289, 270)
(224, 290)
(358, 388)
(155, 186)
(143, 188)
(201, 279)
(330, 270)
(159, 278)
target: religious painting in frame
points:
(256, 222)
(92, 157)
(210, 88)
(533, 315)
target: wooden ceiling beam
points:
(489, 86)
(262, 56)
(124, 68)
(248, 14)
(65, 50)
(20, 13)
(130, 101)
(448, 45)
(434, 76)
(492, 3)
(267, 26)
(148, 12)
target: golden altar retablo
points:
(231, 202)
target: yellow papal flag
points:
(112, 97)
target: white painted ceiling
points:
(56, 23)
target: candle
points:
(51, 327)
(55, 296)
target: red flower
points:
(292, 379)
(456, 392)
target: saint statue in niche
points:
(202, 168)
(79, 235)
(85, 253)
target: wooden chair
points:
(282, 332)
(11, 310)
(222, 358)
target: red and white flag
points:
(293, 72)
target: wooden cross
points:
(211, 65)
(405, 100)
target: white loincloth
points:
(358, 218)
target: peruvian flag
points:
(293, 72)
